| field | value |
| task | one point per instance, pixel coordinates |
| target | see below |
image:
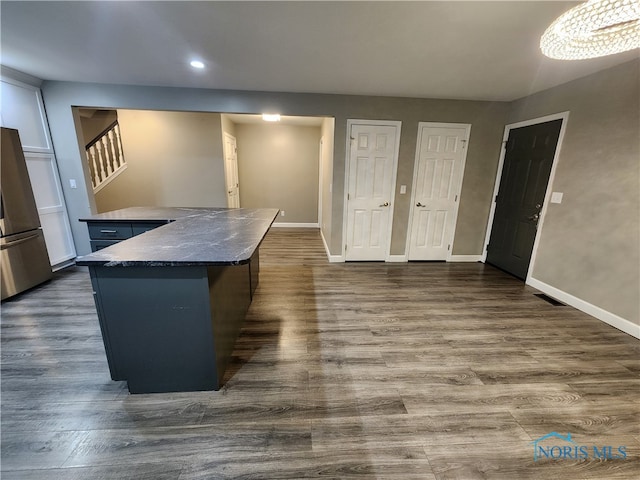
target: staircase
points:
(105, 157)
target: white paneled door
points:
(231, 171)
(438, 172)
(371, 176)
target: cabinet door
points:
(23, 110)
(51, 207)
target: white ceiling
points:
(459, 50)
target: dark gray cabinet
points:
(171, 303)
(169, 329)
(105, 234)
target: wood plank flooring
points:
(361, 370)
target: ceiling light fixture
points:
(593, 29)
(271, 117)
(197, 64)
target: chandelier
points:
(593, 29)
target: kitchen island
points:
(171, 300)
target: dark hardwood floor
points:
(369, 370)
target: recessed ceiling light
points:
(271, 117)
(197, 64)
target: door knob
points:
(420, 205)
(535, 217)
(385, 204)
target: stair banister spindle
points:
(103, 173)
(114, 156)
(116, 129)
(92, 161)
(107, 157)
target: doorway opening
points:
(186, 158)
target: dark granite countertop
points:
(150, 214)
(197, 236)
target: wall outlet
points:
(282, 213)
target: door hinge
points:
(486, 249)
(348, 196)
(449, 247)
(345, 247)
(496, 199)
(456, 199)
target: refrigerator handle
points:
(6, 245)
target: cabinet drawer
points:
(100, 244)
(139, 228)
(110, 231)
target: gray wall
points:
(278, 168)
(590, 243)
(487, 119)
(326, 170)
(173, 159)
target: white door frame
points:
(226, 173)
(389, 123)
(467, 127)
(320, 175)
(547, 196)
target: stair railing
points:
(105, 157)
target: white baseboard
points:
(464, 258)
(397, 258)
(607, 317)
(331, 258)
(295, 225)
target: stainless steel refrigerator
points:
(24, 260)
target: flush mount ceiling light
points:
(197, 64)
(593, 29)
(271, 117)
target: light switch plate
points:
(403, 189)
(556, 197)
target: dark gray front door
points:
(527, 165)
